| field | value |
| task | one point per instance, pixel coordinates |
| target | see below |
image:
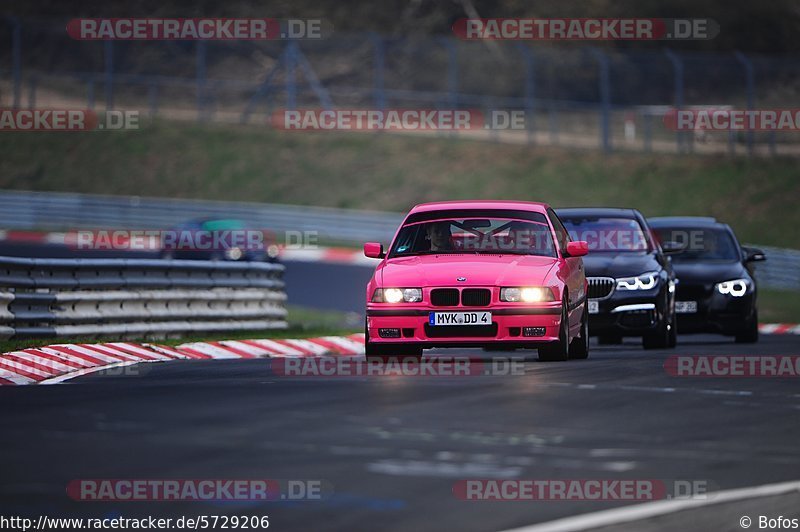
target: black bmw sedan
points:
(631, 282)
(716, 287)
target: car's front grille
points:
(476, 297)
(600, 287)
(692, 292)
(444, 297)
(460, 331)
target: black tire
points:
(673, 334)
(749, 334)
(658, 339)
(559, 350)
(579, 347)
(609, 339)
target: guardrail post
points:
(750, 79)
(109, 57)
(677, 67)
(605, 98)
(378, 70)
(530, 92)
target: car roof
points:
(603, 212)
(481, 204)
(684, 221)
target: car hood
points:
(626, 264)
(479, 270)
(708, 272)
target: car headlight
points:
(645, 281)
(735, 288)
(397, 295)
(233, 253)
(526, 294)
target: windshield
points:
(475, 235)
(701, 244)
(607, 234)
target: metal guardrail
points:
(781, 270)
(137, 298)
(57, 211)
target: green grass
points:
(775, 306)
(392, 172)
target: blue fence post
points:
(750, 78)
(32, 82)
(152, 99)
(109, 53)
(677, 67)
(605, 98)
(452, 72)
(291, 77)
(530, 92)
(90, 97)
(378, 71)
(16, 59)
(200, 79)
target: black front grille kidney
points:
(476, 297)
(600, 287)
(444, 297)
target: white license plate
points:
(594, 307)
(686, 307)
(460, 318)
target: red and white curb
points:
(56, 363)
(779, 328)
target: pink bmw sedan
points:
(478, 274)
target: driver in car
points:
(440, 236)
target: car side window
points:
(562, 235)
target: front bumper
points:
(716, 313)
(630, 313)
(508, 326)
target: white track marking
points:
(637, 512)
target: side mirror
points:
(577, 249)
(374, 250)
(753, 255)
(671, 247)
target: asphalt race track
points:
(391, 448)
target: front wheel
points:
(579, 347)
(749, 334)
(558, 350)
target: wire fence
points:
(576, 96)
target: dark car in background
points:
(716, 291)
(631, 281)
(218, 239)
